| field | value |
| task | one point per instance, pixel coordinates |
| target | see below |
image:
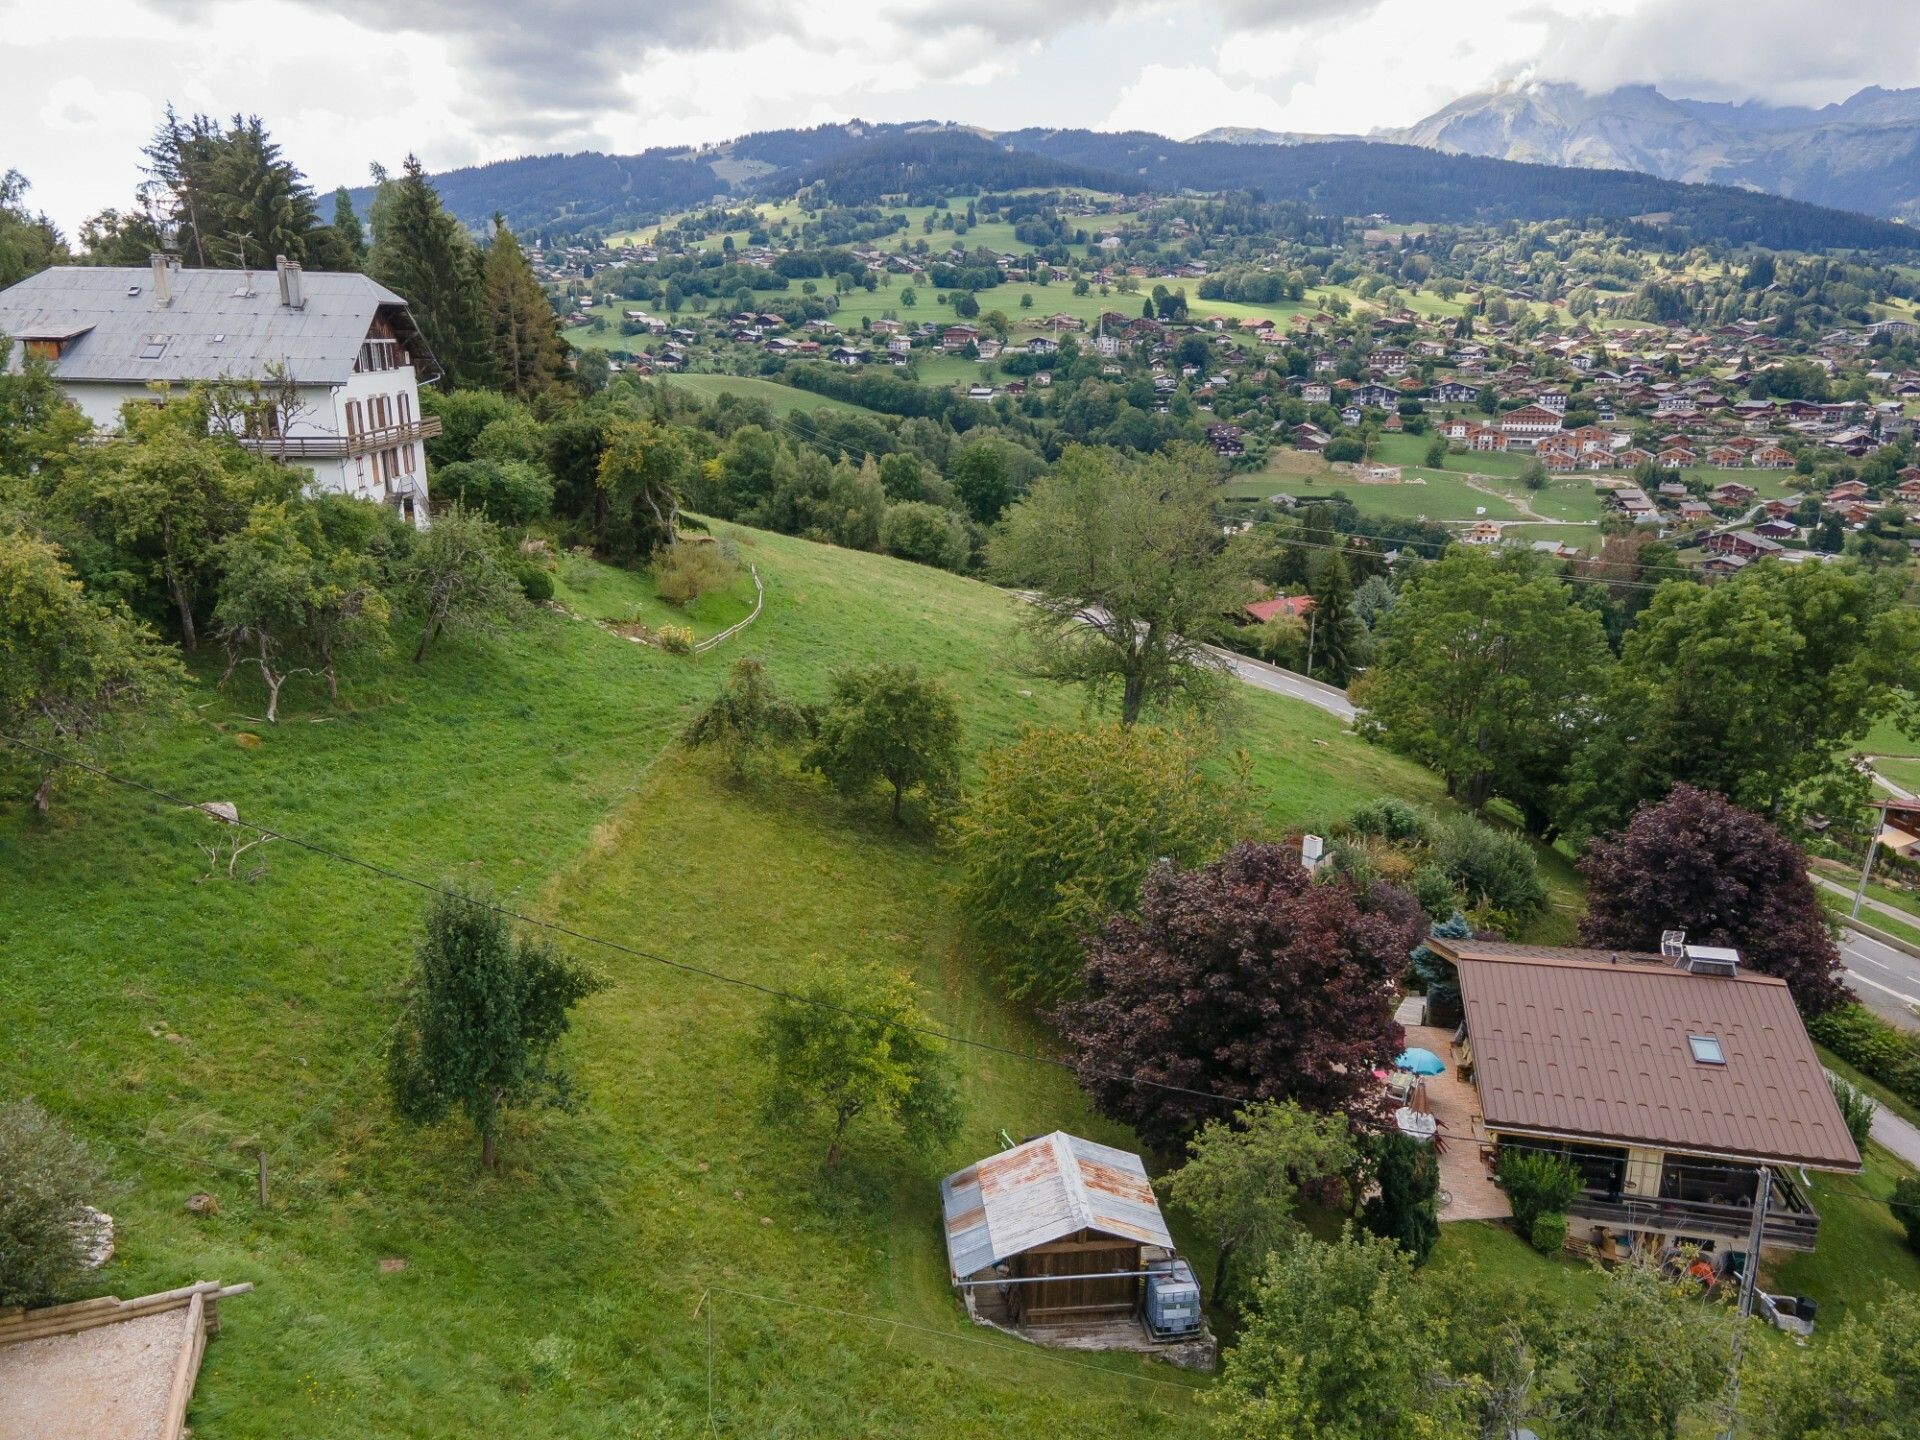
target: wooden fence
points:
(759, 599)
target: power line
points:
(892, 1323)
(554, 927)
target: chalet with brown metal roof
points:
(1670, 1081)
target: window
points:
(155, 347)
(1706, 1050)
(406, 408)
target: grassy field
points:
(781, 399)
(1895, 755)
(187, 1021)
(601, 592)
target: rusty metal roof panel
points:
(1568, 1045)
(1043, 1191)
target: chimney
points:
(164, 266)
(290, 295)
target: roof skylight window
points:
(1706, 1049)
(155, 347)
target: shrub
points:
(1872, 1046)
(1548, 1232)
(535, 583)
(675, 639)
(47, 1174)
(1064, 826)
(508, 492)
(1433, 888)
(1537, 1183)
(1407, 1208)
(1906, 1207)
(929, 534)
(1492, 867)
(1856, 1108)
(1394, 821)
(691, 569)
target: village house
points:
(1528, 424)
(328, 365)
(1744, 543)
(1675, 1083)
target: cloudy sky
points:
(346, 82)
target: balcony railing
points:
(335, 447)
(1791, 1221)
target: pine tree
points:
(421, 253)
(524, 337)
(347, 232)
(229, 197)
(1336, 632)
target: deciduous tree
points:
(1698, 863)
(484, 1015)
(892, 724)
(456, 579)
(1063, 827)
(1243, 1175)
(1246, 980)
(1798, 661)
(1484, 669)
(855, 1044)
(1337, 1346)
(67, 662)
(1130, 572)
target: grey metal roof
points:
(1042, 1191)
(211, 329)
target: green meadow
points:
(187, 1021)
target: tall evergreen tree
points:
(421, 252)
(1337, 632)
(227, 195)
(28, 242)
(348, 234)
(523, 334)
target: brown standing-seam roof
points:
(1593, 1044)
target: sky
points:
(343, 83)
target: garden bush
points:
(1493, 868)
(535, 583)
(1537, 1183)
(1548, 1232)
(47, 1174)
(687, 570)
(1872, 1046)
(1856, 1108)
(1394, 821)
(1906, 1207)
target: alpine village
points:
(894, 780)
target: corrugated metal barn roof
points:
(1042, 1191)
(1574, 1043)
(217, 324)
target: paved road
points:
(1886, 980)
(1867, 902)
(1285, 682)
(1896, 1136)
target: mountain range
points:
(1433, 177)
(1860, 154)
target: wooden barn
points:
(1056, 1231)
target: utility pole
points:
(1313, 619)
(1749, 1277)
(1873, 850)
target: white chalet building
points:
(337, 358)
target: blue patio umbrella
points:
(1420, 1062)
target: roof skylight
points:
(1706, 1049)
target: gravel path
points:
(107, 1383)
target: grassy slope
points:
(555, 1300)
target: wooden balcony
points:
(335, 447)
(1791, 1224)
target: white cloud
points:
(344, 82)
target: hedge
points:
(1873, 1047)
